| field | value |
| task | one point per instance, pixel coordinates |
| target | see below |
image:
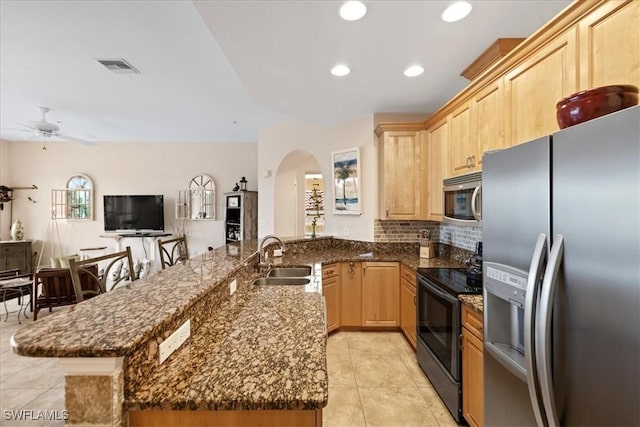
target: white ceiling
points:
(218, 71)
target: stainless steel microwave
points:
(462, 200)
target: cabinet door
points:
(403, 193)
(331, 292)
(533, 88)
(488, 128)
(380, 294)
(350, 293)
(408, 310)
(437, 137)
(16, 255)
(610, 45)
(472, 379)
(462, 148)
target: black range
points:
(439, 328)
(453, 280)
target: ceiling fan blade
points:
(74, 139)
(18, 130)
(22, 124)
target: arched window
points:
(199, 201)
(75, 201)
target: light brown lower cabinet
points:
(280, 418)
(351, 294)
(331, 292)
(408, 304)
(380, 294)
(472, 368)
(372, 295)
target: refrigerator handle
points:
(530, 307)
(543, 330)
(474, 205)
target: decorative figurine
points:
(236, 188)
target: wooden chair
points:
(173, 251)
(114, 263)
(57, 290)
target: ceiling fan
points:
(44, 129)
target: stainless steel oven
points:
(439, 329)
(462, 199)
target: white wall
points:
(275, 142)
(121, 168)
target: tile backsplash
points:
(408, 231)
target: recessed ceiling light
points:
(352, 10)
(456, 11)
(340, 70)
(413, 71)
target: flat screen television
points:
(133, 213)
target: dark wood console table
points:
(16, 254)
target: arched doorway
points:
(294, 180)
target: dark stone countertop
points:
(261, 348)
(474, 302)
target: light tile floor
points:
(27, 383)
(374, 380)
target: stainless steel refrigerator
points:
(561, 271)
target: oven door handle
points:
(433, 289)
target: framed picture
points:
(233, 202)
(346, 182)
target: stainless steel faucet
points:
(262, 262)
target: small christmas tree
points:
(316, 199)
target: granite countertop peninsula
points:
(264, 347)
(474, 302)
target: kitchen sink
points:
(290, 272)
(281, 281)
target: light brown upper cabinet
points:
(437, 141)
(590, 44)
(475, 127)
(463, 149)
(610, 45)
(488, 120)
(403, 161)
(535, 86)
